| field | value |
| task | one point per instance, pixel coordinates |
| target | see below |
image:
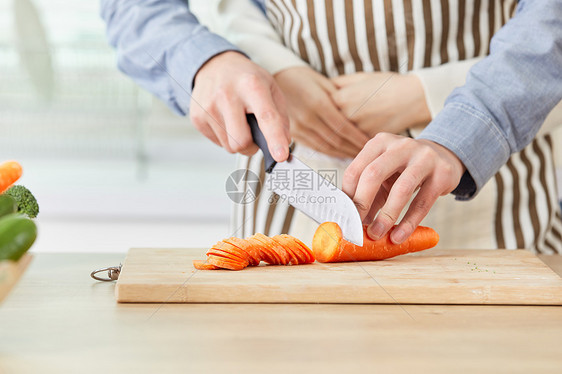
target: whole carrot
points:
(329, 245)
(10, 172)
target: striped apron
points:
(518, 208)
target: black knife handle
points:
(259, 139)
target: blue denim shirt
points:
(499, 110)
(507, 96)
(161, 45)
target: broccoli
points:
(25, 200)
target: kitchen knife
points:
(308, 191)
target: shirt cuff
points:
(475, 139)
(187, 58)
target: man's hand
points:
(315, 120)
(226, 88)
(389, 171)
(382, 102)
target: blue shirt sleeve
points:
(161, 45)
(507, 95)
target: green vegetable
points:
(27, 204)
(7, 205)
(17, 234)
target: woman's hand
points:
(389, 171)
(382, 102)
(315, 120)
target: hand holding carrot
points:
(388, 172)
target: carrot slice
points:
(233, 251)
(221, 253)
(305, 248)
(273, 254)
(284, 252)
(287, 246)
(258, 248)
(266, 254)
(225, 263)
(288, 243)
(282, 255)
(299, 246)
(202, 265)
(329, 245)
(244, 245)
(226, 256)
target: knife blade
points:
(306, 190)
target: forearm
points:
(160, 45)
(244, 24)
(507, 95)
(438, 82)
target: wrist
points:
(292, 70)
(217, 62)
(419, 110)
(447, 154)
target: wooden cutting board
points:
(429, 277)
(10, 273)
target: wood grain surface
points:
(429, 277)
(59, 320)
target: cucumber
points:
(7, 205)
(17, 234)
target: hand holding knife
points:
(323, 202)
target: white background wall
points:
(111, 166)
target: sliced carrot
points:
(277, 259)
(221, 253)
(267, 255)
(224, 263)
(284, 240)
(202, 265)
(289, 243)
(236, 254)
(298, 246)
(266, 251)
(258, 248)
(252, 252)
(233, 251)
(286, 244)
(329, 245)
(304, 248)
(285, 253)
(226, 256)
(282, 255)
